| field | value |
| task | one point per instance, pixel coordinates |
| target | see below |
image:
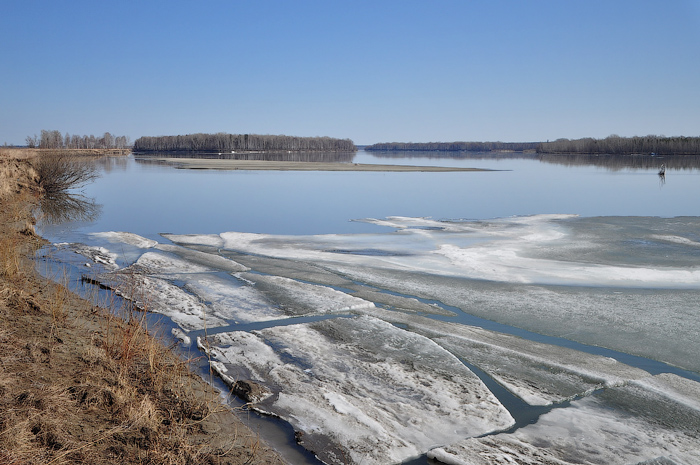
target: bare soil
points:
(79, 385)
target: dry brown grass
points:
(79, 385)
(9, 257)
(17, 152)
(25, 152)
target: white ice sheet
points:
(377, 393)
(595, 430)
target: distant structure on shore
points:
(227, 143)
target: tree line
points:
(616, 145)
(453, 146)
(55, 140)
(223, 142)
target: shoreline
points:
(260, 165)
(23, 153)
(81, 385)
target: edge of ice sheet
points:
(538, 373)
(300, 298)
(606, 429)
(126, 238)
(157, 262)
(511, 250)
(213, 240)
(231, 300)
(364, 387)
(159, 296)
(202, 258)
(98, 255)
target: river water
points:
(392, 315)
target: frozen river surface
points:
(363, 342)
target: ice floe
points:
(161, 263)
(209, 260)
(158, 295)
(232, 300)
(390, 384)
(540, 374)
(299, 298)
(126, 238)
(98, 255)
(600, 281)
(362, 388)
(637, 423)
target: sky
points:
(372, 71)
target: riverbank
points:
(79, 385)
(25, 152)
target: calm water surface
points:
(146, 198)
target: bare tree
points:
(222, 142)
(32, 141)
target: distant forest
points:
(55, 140)
(453, 146)
(222, 142)
(616, 145)
(611, 145)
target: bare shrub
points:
(59, 172)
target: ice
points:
(504, 262)
(658, 324)
(181, 335)
(298, 298)
(231, 300)
(160, 296)
(517, 250)
(126, 238)
(208, 260)
(112, 249)
(363, 388)
(160, 263)
(665, 399)
(540, 374)
(677, 240)
(622, 426)
(611, 282)
(212, 240)
(408, 304)
(96, 254)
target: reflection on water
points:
(338, 157)
(109, 164)
(65, 207)
(454, 155)
(626, 162)
(610, 162)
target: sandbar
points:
(228, 164)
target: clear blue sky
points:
(372, 71)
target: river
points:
(390, 315)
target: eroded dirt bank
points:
(78, 385)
